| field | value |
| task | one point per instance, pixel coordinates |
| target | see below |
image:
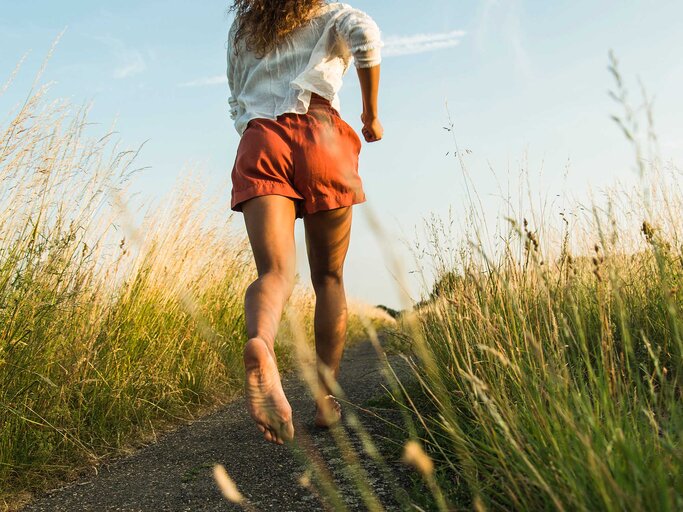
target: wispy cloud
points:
(203, 82)
(129, 61)
(396, 46)
(132, 63)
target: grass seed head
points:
(227, 485)
(305, 480)
(414, 456)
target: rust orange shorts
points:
(311, 158)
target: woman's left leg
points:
(327, 240)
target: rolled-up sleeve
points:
(234, 111)
(234, 108)
(362, 37)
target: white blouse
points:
(313, 59)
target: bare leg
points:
(270, 225)
(327, 240)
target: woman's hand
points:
(372, 128)
(369, 86)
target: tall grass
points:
(550, 366)
(105, 329)
(110, 327)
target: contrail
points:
(394, 46)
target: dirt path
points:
(176, 473)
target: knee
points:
(276, 280)
(327, 278)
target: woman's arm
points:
(369, 86)
(363, 40)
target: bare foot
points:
(266, 400)
(328, 412)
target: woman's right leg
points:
(270, 226)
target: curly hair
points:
(262, 24)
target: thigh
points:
(270, 226)
(327, 240)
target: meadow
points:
(546, 357)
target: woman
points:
(297, 158)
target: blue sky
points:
(525, 82)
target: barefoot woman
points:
(297, 158)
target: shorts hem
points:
(332, 203)
(261, 189)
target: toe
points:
(288, 432)
(278, 437)
(274, 436)
(268, 436)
